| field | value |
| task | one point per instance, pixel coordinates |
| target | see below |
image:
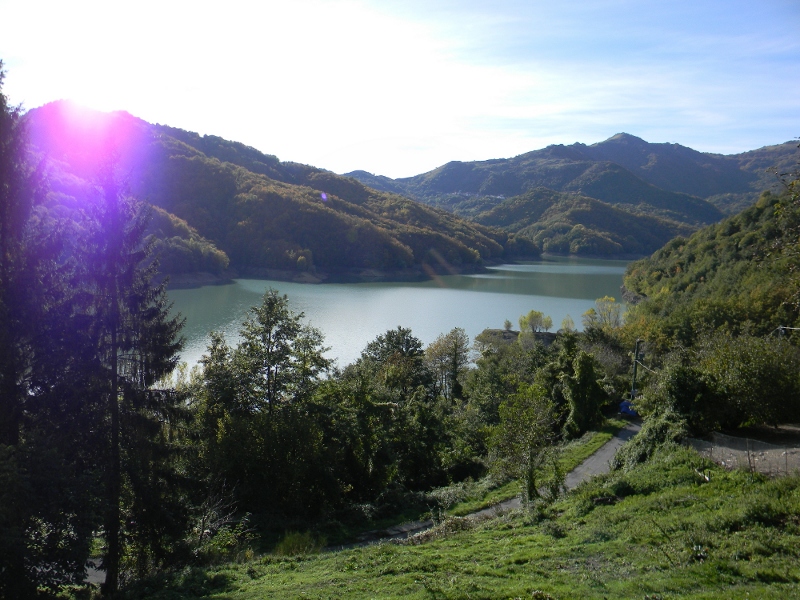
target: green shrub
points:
(659, 429)
(230, 542)
(295, 543)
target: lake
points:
(351, 315)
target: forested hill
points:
(562, 223)
(677, 188)
(264, 214)
(741, 275)
(723, 180)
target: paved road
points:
(600, 462)
(597, 464)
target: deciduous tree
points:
(447, 358)
(523, 443)
(534, 322)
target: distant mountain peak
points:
(626, 138)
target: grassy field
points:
(660, 531)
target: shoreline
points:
(424, 272)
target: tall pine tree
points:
(17, 199)
(46, 491)
(86, 437)
(137, 344)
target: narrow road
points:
(600, 462)
(597, 464)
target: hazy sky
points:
(399, 88)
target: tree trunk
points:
(115, 472)
(112, 529)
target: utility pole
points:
(636, 358)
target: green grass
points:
(507, 491)
(659, 531)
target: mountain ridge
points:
(289, 220)
(281, 219)
(666, 189)
(738, 173)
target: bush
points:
(295, 544)
(659, 429)
(727, 381)
(683, 387)
(230, 542)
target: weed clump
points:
(553, 529)
(232, 542)
(295, 543)
(659, 429)
(445, 528)
(469, 489)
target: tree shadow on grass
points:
(191, 582)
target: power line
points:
(782, 328)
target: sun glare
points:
(308, 80)
(89, 139)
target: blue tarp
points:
(626, 408)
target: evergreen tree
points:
(136, 343)
(15, 206)
(42, 540)
(47, 508)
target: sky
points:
(399, 88)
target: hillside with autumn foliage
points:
(269, 218)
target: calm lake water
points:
(352, 315)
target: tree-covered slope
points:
(740, 274)
(559, 169)
(683, 188)
(180, 249)
(563, 223)
(263, 213)
(577, 168)
(669, 167)
(730, 182)
(672, 167)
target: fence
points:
(744, 453)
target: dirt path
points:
(597, 464)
